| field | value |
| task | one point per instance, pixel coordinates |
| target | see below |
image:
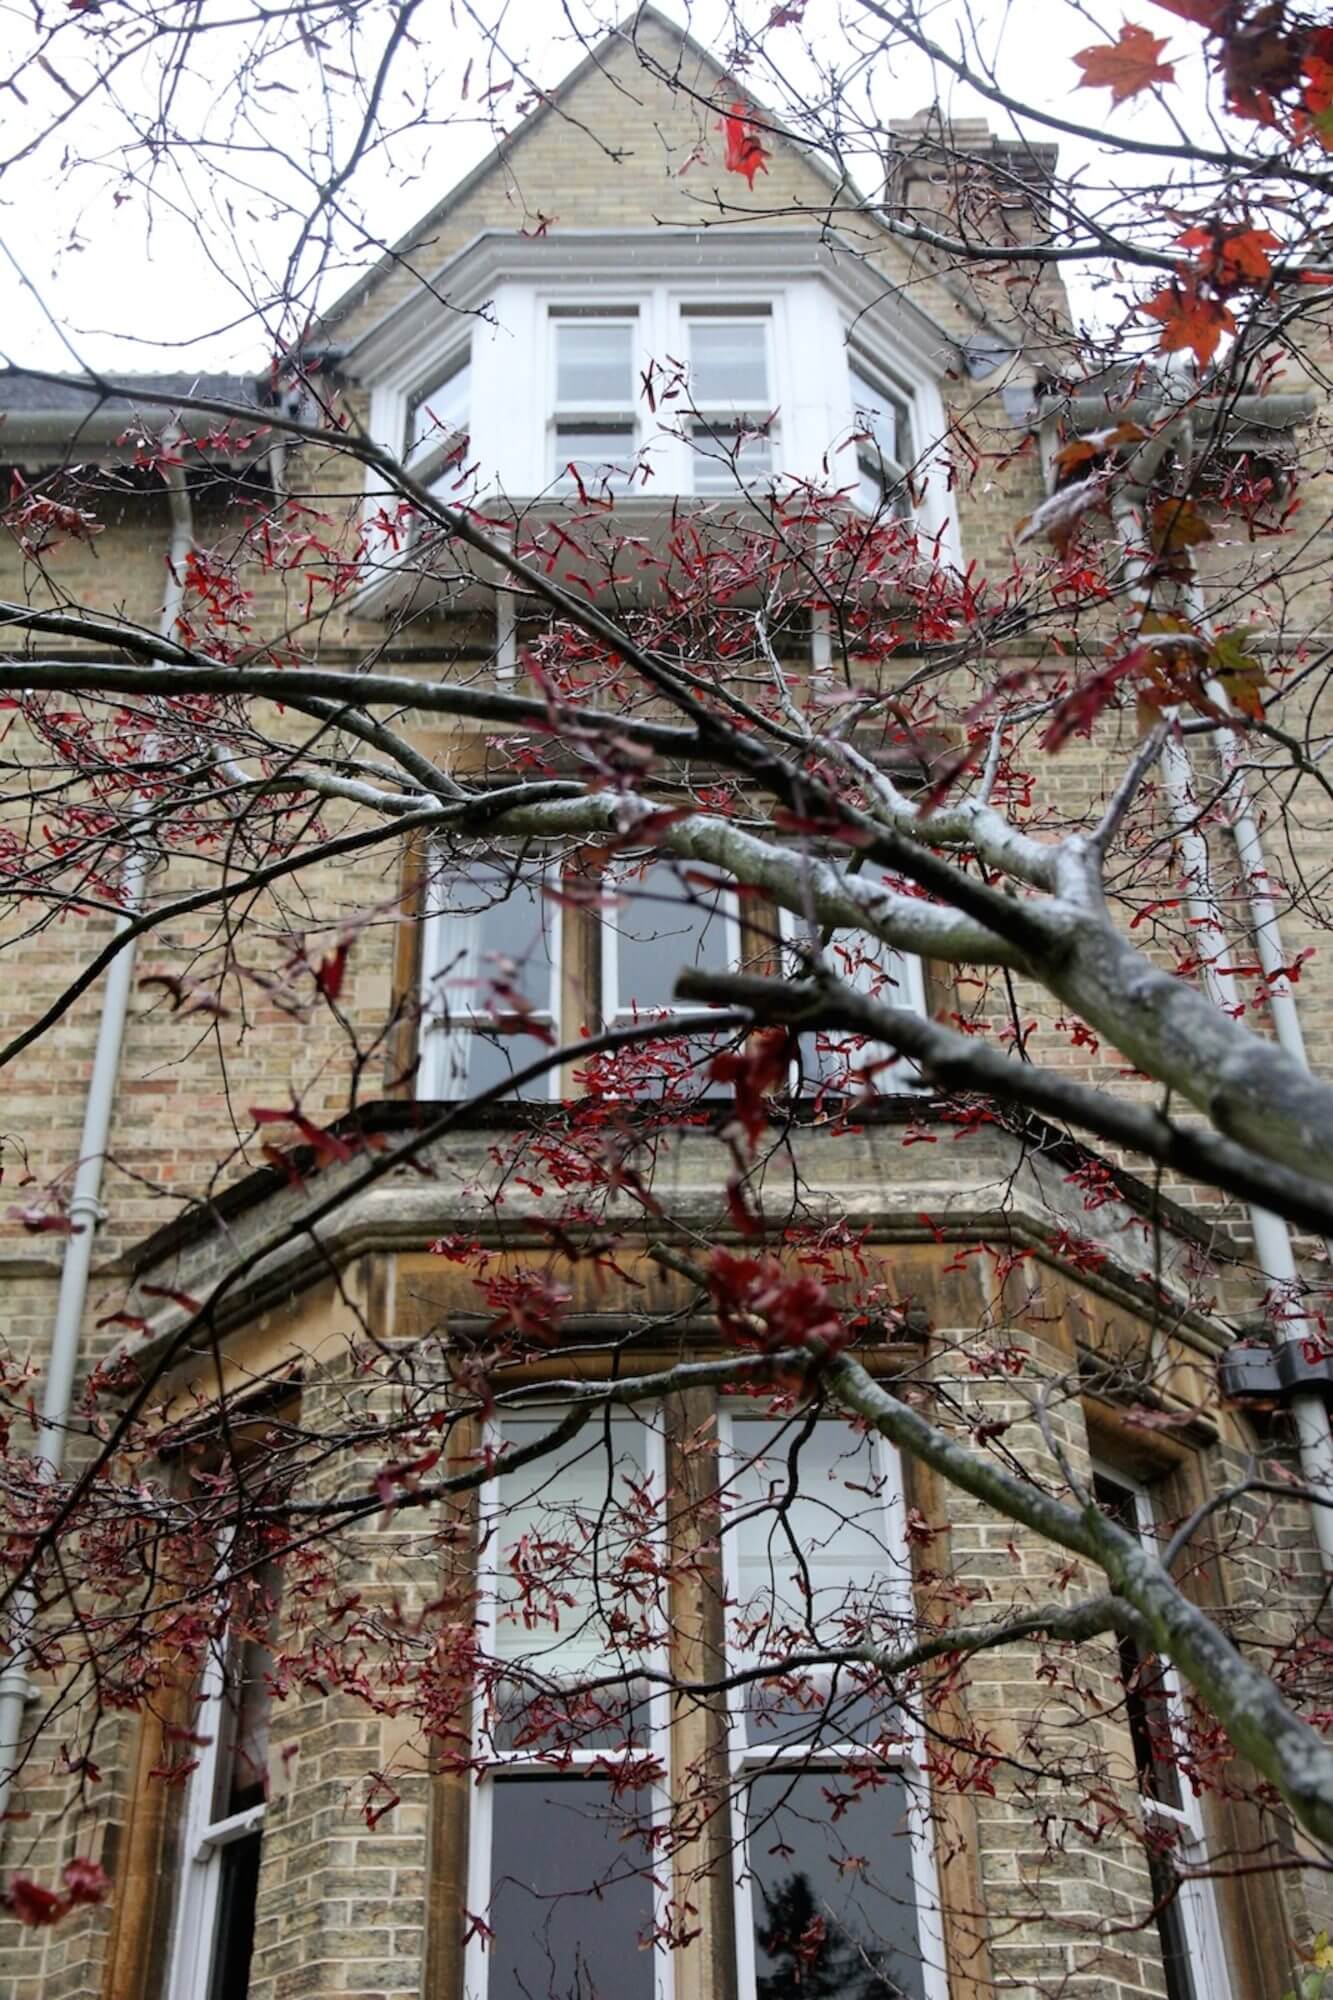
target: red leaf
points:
(329, 978)
(86, 1881)
(32, 1904)
(131, 1320)
(746, 153)
(182, 1299)
(1125, 67)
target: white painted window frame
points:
(466, 1017)
(901, 1078)
(1196, 1896)
(203, 1838)
(745, 1758)
(476, 1962)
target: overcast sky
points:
(168, 282)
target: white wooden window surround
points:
(1188, 1923)
(543, 1830)
(487, 928)
(842, 1536)
(225, 1804)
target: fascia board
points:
(623, 256)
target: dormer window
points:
(731, 391)
(884, 448)
(593, 419)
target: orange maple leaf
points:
(1125, 67)
(1189, 318)
(1231, 257)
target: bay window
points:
(490, 979)
(834, 1870)
(593, 423)
(1188, 1924)
(560, 1867)
(730, 429)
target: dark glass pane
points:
(247, 1697)
(1146, 1708)
(571, 1909)
(237, 1894)
(825, 1931)
(1171, 1929)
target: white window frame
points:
(744, 1758)
(466, 1018)
(555, 314)
(476, 1960)
(622, 1015)
(203, 1838)
(1195, 1896)
(722, 416)
(896, 1075)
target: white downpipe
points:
(85, 1205)
(1271, 1236)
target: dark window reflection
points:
(237, 1895)
(571, 1902)
(834, 1903)
(1171, 1928)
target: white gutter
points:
(85, 1206)
(1271, 1236)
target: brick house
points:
(568, 266)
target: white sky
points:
(136, 283)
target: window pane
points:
(885, 419)
(729, 362)
(836, 1061)
(594, 363)
(437, 412)
(834, 1901)
(571, 1903)
(566, 1528)
(238, 1892)
(664, 925)
(602, 454)
(723, 456)
(1147, 1704)
(834, 1539)
(241, 1777)
(1171, 1931)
